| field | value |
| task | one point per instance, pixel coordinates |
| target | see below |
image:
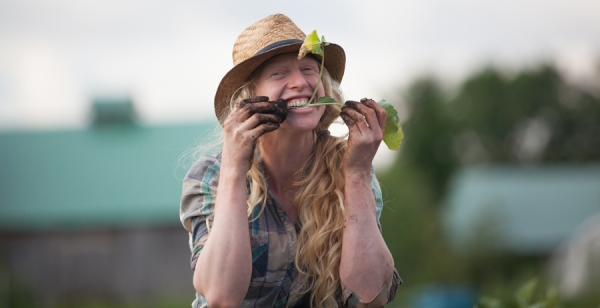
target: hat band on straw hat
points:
(279, 44)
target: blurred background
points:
(496, 185)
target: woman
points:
(287, 215)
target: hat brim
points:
(335, 62)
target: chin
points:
(305, 121)
(299, 125)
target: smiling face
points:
(286, 77)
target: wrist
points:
(357, 173)
(232, 174)
(234, 166)
(232, 171)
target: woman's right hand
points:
(250, 119)
(226, 259)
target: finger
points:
(252, 100)
(257, 125)
(379, 111)
(347, 119)
(351, 104)
(240, 112)
(267, 127)
(352, 127)
(354, 120)
(258, 119)
(358, 107)
(357, 117)
(260, 107)
(262, 129)
(250, 108)
(263, 118)
(368, 112)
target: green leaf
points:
(326, 100)
(312, 44)
(392, 135)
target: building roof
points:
(111, 175)
(525, 210)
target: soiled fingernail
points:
(351, 103)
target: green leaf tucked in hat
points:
(312, 44)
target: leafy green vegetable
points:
(392, 135)
(312, 44)
(326, 100)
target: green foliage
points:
(534, 117)
(525, 297)
(489, 118)
(326, 100)
(312, 44)
(428, 131)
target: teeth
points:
(297, 102)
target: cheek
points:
(260, 89)
(266, 89)
(321, 90)
(321, 110)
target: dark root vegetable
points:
(282, 109)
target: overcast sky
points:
(169, 56)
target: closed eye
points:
(277, 74)
(309, 70)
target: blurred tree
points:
(533, 117)
(427, 134)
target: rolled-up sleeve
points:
(198, 200)
(386, 294)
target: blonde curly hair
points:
(319, 203)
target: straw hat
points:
(268, 37)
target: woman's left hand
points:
(364, 271)
(366, 124)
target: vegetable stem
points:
(320, 76)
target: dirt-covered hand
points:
(366, 124)
(280, 110)
(249, 119)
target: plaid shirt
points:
(273, 239)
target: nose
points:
(297, 80)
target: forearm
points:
(224, 267)
(366, 262)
